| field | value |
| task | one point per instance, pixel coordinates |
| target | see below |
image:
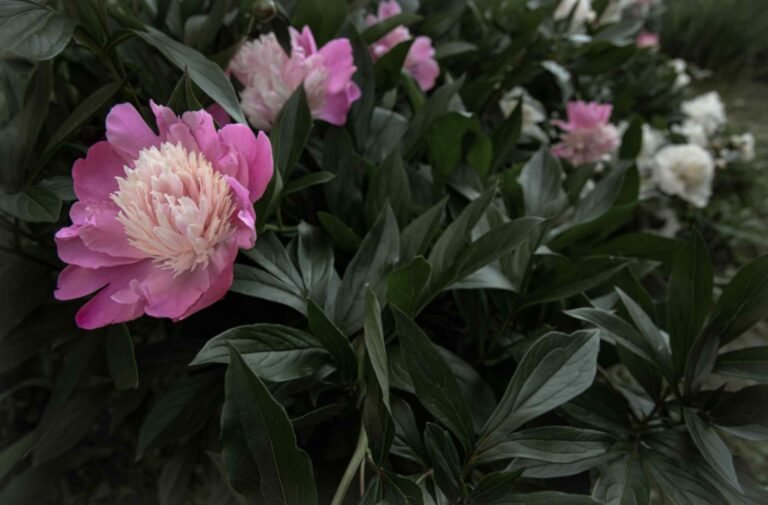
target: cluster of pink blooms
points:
(648, 40)
(420, 60)
(589, 136)
(161, 214)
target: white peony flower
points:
(693, 131)
(680, 67)
(707, 110)
(685, 170)
(533, 111)
(582, 13)
(745, 146)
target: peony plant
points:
(408, 253)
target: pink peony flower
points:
(589, 136)
(270, 77)
(647, 40)
(420, 61)
(160, 217)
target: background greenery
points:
(436, 310)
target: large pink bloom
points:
(270, 76)
(160, 217)
(589, 136)
(420, 61)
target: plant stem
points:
(358, 458)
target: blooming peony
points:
(707, 110)
(648, 40)
(160, 217)
(745, 146)
(687, 171)
(583, 13)
(420, 61)
(270, 76)
(589, 136)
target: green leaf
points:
(377, 253)
(406, 285)
(445, 462)
(555, 369)
(291, 132)
(258, 283)
(445, 141)
(383, 27)
(33, 31)
(620, 331)
(490, 247)
(316, 259)
(649, 331)
(332, 339)
(632, 141)
(622, 482)
(750, 363)
(375, 345)
(690, 297)
(121, 358)
(307, 181)
(601, 199)
(273, 352)
(324, 17)
(506, 136)
(494, 488)
(73, 422)
(389, 183)
(554, 444)
(433, 380)
(173, 483)
(83, 112)
(743, 303)
(202, 71)
(422, 121)
(387, 69)
(538, 498)
(418, 235)
(712, 447)
(581, 277)
(182, 411)
(680, 483)
(458, 234)
(542, 184)
(285, 469)
(642, 245)
(15, 452)
(341, 234)
(36, 205)
(183, 96)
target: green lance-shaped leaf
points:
(285, 470)
(33, 31)
(434, 382)
(555, 369)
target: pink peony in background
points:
(270, 76)
(420, 61)
(160, 217)
(647, 40)
(589, 136)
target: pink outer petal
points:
(421, 63)
(388, 8)
(101, 311)
(95, 175)
(164, 117)
(127, 132)
(75, 282)
(337, 55)
(336, 107)
(73, 250)
(256, 152)
(220, 274)
(100, 231)
(246, 216)
(201, 126)
(303, 41)
(169, 296)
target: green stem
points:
(358, 457)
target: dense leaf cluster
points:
(436, 311)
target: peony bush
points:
(433, 252)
